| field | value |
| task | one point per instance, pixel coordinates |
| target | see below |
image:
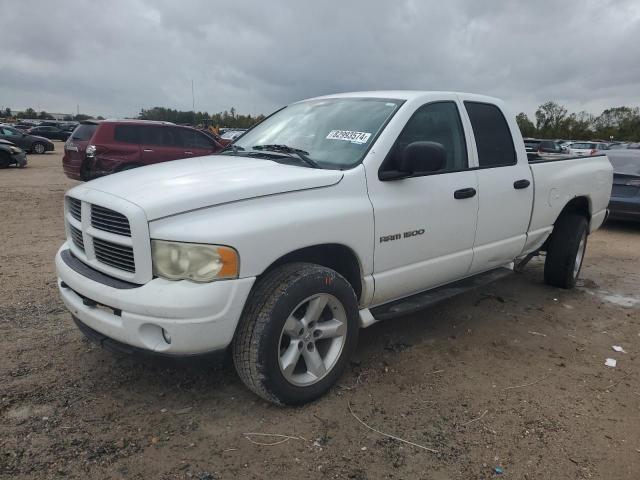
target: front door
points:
(425, 225)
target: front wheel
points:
(565, 251)
(297, 332)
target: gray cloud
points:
(116, 57)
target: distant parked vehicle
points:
(98, 148)
(232, 134)
(587, 148)
(625, 194)
(21, 126)
(52, 133)
(536, 148)
(11, 155)
(27, 142)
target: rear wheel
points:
(297, 332)
(565, 251)
(39, 148)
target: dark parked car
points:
(52, 133)
(625, 194)
(27, 142)
(98, 148)
(11, 155)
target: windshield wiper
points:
(234, 149)
(302, 155)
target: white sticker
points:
(349, 136)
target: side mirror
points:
(422, 157)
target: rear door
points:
(505, 188)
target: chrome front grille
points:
(75, 208)
(118, 256)
(114, 241)
(109, 221)
(76, 237)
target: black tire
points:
(38, 147)
(5, 160)
(257, 345)
(564, 253)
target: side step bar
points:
(427, 299)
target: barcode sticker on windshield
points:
(349, 136)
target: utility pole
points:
(193, 98)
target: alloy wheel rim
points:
(579, 255)
(39, 148)
(312, 339)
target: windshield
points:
(333, 133)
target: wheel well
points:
(338, 257)
(579, 205)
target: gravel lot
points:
(512, 376)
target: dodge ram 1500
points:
(331, 214)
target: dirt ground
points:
(511, 377)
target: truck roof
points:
(405, 95)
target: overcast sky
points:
(115, 57)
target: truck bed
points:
(561, 179)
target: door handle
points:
(188, 153)
(464, 193)
(148, 150)
(519, 184)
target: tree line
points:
(553, 120)
(31, 114)
(228, 118)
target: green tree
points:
(527, 128)
(551, 120)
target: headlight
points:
(14, 150)
(193, 261)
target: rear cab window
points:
(494, 141)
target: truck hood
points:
(179, 186)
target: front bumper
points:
(162, 316)
(20, 159)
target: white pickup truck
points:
(331, 214)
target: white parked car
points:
(332, 214)
(587, 148)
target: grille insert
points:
(112, 254)
(75, 208)
(76, 237)
(109, 221)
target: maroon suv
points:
(97, 148)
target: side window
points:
(435, 122)
(126, 134)
(193, 139)
(493, 137)
(160, 136)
